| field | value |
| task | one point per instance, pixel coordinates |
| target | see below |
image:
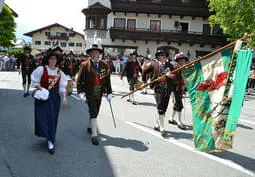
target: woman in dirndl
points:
(46, 112)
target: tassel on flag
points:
(238, 45)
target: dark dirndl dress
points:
(46, 115)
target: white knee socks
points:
(179, 118)
(50, 145)
(94, 127)
(172, 117)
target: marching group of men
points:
(93, 81)
(163, 88)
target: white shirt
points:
(37, 75)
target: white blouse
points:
(37, 75)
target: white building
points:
(121, 26)
(57, 35)
(19, 44)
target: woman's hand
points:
(39, 87)
(64, 100)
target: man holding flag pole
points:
(163, 87)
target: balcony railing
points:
(196, 8)
(53, 37)
(160, 35)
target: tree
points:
(235, 17)
(7, 27)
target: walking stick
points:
(112, 114)
(184, 107)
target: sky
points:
(34, 14)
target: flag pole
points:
(191, 63)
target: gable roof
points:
(50, 26)
(98, 7)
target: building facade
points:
(19, 44)
(121, 26)
(57, 35)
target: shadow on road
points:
(146, 104)
(123, 143)
(177, 135)
(27, 154)
(168, 134)
(118, 93)
(243, 161)
(244, 126)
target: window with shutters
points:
(47, 42)
(120, 23)
(131, 24)
(155, 25)
(37, 42)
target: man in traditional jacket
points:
(179, 88)
(163, 87)
(28, 64)
(93, 81)
(132, 69)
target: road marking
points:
(1, 78)
(247, 121)
(184, 146)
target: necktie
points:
(96, 65)
(162, 67)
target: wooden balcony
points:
(194, 8)
(55, 37)
(167, 36)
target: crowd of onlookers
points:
(116, 64)
(7, 62)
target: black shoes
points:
(94, 140)
(134, 103)
(164, 134)
(89, 130)
(26, 94)
(51, 151)
(156, 129)
(181, 126)
(172, 122)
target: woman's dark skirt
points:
(46, 115)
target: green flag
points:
(210, 83)
(244, 59)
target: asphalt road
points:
(132, 149)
